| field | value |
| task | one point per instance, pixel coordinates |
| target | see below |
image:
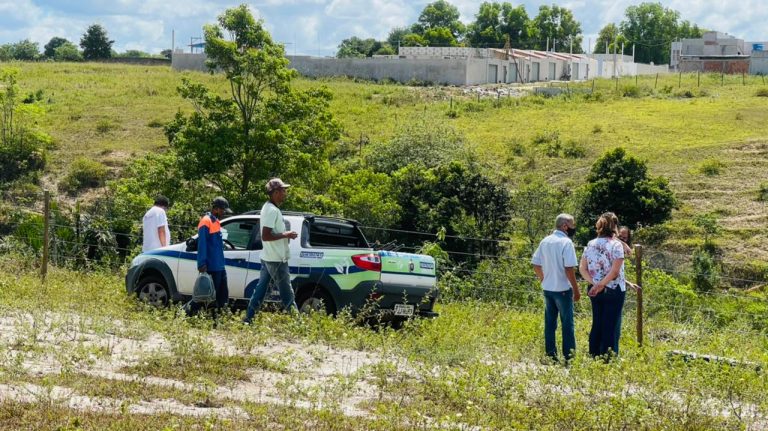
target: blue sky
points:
(315, 27)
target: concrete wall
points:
(759, 63)
(143, 61)
(438, 71)
(189, 62)
(730, 66)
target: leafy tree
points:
(397, 35)
(559, 26)
(67, 52)
(413, 39)
(50, 47)
(619, 182)
(687, 31)
(608, 36)
(486, 30)
(457, 198)
(515, 24)
(25, 50)
(442, 14)
(6, 52)
(167, 53)
(95, 43)
(354, 47)
(362, 195)
(133, 53)
(263, 128)
(650, 27)
(535, 205)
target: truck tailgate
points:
(407, 270)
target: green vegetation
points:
(83, 173)
(479, 364)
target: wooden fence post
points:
(46, 232)
(639, 273)
(656, 84)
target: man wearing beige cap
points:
(275, 254)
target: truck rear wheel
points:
(315, 299)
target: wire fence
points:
(500, 277)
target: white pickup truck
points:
(332, 267)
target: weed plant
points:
(478, 365)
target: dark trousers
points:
(222, 293)
(559, 303)
(606, 317)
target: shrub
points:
(422, 143)
(574, 150)
(597, 129)
(155, 123)
(83, 173)
(705, 275)
(762, 192)
(631, 91)
(711, 167)
(762, 92)
(104, 126)
(619, 182)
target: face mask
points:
(570, 232)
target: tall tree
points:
(650, 27)
(50, 47)
(609, 36)
(95, 43)
(487, 29)
(442, 14)
(354, 47)
(558, 26)
(264, 127)
(25, 50)
(397, 35)
(515, 24)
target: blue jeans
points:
(559, 303)
(606, 322)
(277, 272)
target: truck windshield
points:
(333, 233)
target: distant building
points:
(714, 52)
(457, 66)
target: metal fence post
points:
(46, 231)
(639, 273)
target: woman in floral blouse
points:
(602, 265)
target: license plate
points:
(403, 310)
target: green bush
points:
(83, 173)
(631, 91)
(105, 126)
(762, 92)
(574, 150)
(619, 182)
(711, 167)
(705, 274)
(762, 192)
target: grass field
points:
(77, 353)
(113, 113)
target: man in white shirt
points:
(275, 254)
(156, 232)
(554, 263)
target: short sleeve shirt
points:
(554, 254)
(153, 219)
(600, 255)
(274, 251)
